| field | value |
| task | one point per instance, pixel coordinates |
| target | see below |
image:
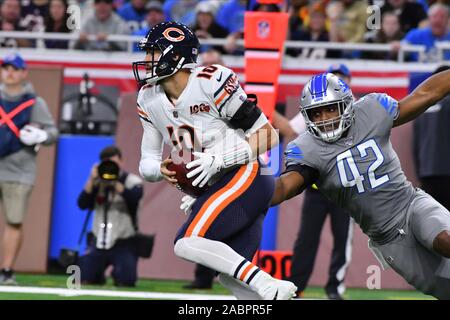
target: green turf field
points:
(167, 286)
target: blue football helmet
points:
(179, 49)
(326, 89)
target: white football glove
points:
(186, 204)
(207, 166)
(30, 135)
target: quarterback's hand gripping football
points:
(166, 173)
(207, 165)
(30, 135)
(186, 204)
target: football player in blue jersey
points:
(347, 153)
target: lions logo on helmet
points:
(178, 46)
(325, 90)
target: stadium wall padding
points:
(48, 82)
(75, 157)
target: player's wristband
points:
(150, 170)
(238, 155)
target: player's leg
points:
(411, 254)
(203, 278)
(229, 206)
(239, 289)
(245, 243)
(313, 217)
(342, 228)
(430, 223)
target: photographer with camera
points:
(114, 195)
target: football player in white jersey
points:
(205, 109)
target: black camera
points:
(108, 171)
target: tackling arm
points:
(287, 186)
(424, 96)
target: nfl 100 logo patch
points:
(263, 29)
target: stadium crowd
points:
(401, 21)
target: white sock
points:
(222, 258)
(239, 289)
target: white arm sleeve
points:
(151, 153)
(298, 123)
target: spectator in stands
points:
(231, 16)
(389, 33)
(410, 13)
(133, 13)
(298, 12)
(10, 21)
(86, 8)
(33, 14)
(432, 150)
(211, 56)
(347, 20)
(102, 23)
(230, 13)
(30, 127)
(205, 27)
(438, 30)
(115, 199)
(266, 7)
(56, 21)
(155, 15)
(314, 30)
(180, 11)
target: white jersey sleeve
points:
(224, 90)
(151, 148)
(298, 123)
(226, 94)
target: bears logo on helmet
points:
(178, 47)
(180, 34)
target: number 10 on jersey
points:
(346, 159)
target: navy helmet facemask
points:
(179, 49)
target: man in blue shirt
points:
(181, 11)
(133, 13)
(231, 15)
(437, 31)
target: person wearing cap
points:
(155, 15)
(316, 207)
(102, 23)
(205, 26)
(115, 198)
(25, 124)
(180, 11)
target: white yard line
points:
(115, 294)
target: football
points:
(185, 183)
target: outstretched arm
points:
(424, 96)
(287, 186)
